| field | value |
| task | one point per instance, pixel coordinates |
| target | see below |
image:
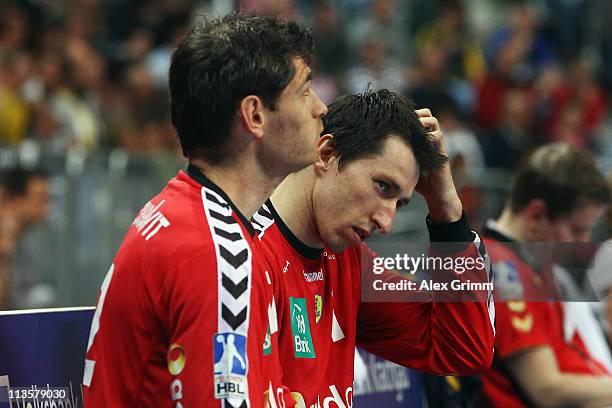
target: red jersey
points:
(186, 314)
(322, 319)
(522, 324)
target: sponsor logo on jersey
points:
(318, 307)
(337, 334)
(230, 365)
(523, 324)
(330, 256)
(508, 280)
(313, 276)
(340, 401)
(150, 220)
(176, 392)
(517, 306)
(272, 399)
(267, 346)
(175, 359)
(176, 362)
(300, 328)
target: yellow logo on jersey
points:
(176, 359)
(517, 306)
(523, 324)
(318, 308)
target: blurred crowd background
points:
(86, 140)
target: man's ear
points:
(327, 153)
(253, 115)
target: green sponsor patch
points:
(300, 328)
(267, 346)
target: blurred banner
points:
(42, 353)
(380, 383)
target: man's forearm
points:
(450, 210)
(537, 372)
(576, 390)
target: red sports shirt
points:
(186, 314)
(322, 319)
(524, 324)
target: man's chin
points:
(338, 246)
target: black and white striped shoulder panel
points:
(482, 251)
(262, 220)
(234, 274)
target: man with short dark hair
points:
(186, 314)
(374, 153)
(24, 202)
(557, 195)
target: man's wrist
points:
(456, 231)
(447, 212)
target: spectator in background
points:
(523, 32)
(282, 8)
(374, 69)
(13, 28)
(573, 109)
(332, 54)
(15, 69)
(145, 130)
(428, 82)
(24, 204)
(604, 14)
(332, 51)
(447, 54)
(505, 144)
(516, 55)
(465, 155)
(503, 77)
(557, 196)
(385, 23)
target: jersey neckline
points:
(306, 251)
(201, 178)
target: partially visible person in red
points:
(557, 196)
(574, 103)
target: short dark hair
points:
(563, 176)
(14, 181)
(360, 123)
(220, 62)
